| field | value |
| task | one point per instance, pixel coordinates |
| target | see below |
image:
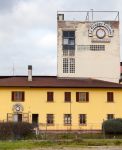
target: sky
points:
(28, 32)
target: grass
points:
(73, 136)
(13, 145)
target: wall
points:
(36, 102)
(103, 65)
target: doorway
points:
(35, 119)
(17, 117)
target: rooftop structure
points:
(88, 45)
(88, 15)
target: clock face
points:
(100, 33)
(17, 108)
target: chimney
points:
(60, 17)
(120, 80)
(29, 73)
(121, 69)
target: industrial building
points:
(88, 48)
(87, 88)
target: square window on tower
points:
(68, 40)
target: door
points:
(17, 117)
(35, 118)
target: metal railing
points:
(90, 15)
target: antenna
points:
(87, 16)
(13, 69)
(92, 14)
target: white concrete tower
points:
(88, 48)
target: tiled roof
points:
(54, 81)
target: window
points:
(49, 96)
(82, 96)
(110, 116)
(67, 97)
(97, 47)
(68, 65)
(65, 65)
(110, 97)
(82, 119)
(68, 53)
(18, 96)
(68, 40)
(50, 119)
(65, 52)
(72, 65)
(91, 47)
(67, 119)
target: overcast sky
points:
(28, 32)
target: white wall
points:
(103, 65)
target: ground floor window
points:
(50, 119)
(82, 119)
(67, 119)
(110, 116)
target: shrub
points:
(12, 130)
(117, 142)
(112, 126)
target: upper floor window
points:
(65, 65)
(72, 65)
(68, 40)
(50, 97)
(68, 53)
(18, 96)
(91, 47)
(68, 65)
(67, 97)
(82, 96)
(110, 97)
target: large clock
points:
(17, 108)
(100, 33)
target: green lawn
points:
(12, 145)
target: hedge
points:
(112, 126)
(12, 130)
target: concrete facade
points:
(90, 61)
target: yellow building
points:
(88, 49)
(59, 104)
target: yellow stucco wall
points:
(36, 103)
